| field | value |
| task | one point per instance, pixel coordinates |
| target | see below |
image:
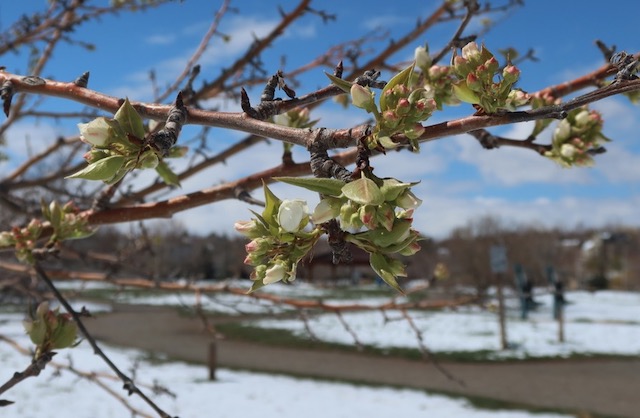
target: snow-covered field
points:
(604, 322)
(234, 394)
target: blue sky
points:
(459, 180)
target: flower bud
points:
(510, 74)
(582, 118)
(362, 97)
(6, 239)
(470, 51)
(292, 215)
(567, 151)
(562, 132)
(421, 55)
(95, 133)
(274, 274)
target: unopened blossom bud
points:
(362, 97)
(459, 62)
(473, 82)
(6, 239)
(421, 55)
(562, 132)
(567, 151)
(95, 132)
(582, 118)
(291, 214)
(492, 65)
(403, 107)
(470, 51)
(274, 274)
(510, 74)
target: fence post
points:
(212, 359)
(499, 266)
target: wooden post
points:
(499, 267)
(503, 324)
(212, 360)
(561, 325)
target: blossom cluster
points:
(117, 147)
(279, 239)
(50, 329)
(476, 69)
(575, 136)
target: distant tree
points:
(65, 189)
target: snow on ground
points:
(233, 394)
(606, 322)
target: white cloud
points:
(509, 166)
(384, 21)
(242, 31)
(160, 39)
(439, 214)
(24, 140)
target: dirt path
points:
(610, 387)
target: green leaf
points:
(325, 186)
(464, 93)
(401, 78)
(380, 264)
(104, 169)
(130, 120)
(383, 238)
(272, 205)
(167, 175)
(363, 191)
(344, 85)
(257, 284)
(391, 188)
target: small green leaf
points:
(401, 78)
(391, 188)
(329, 187)
(167, 175)
(363, 191)
(380, 264)
(272, 205)
(130, 120)
(257, 284)
(464, 93)
(344, 85)
(104, 169)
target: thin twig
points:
(350, 330)
(426, 353)
(129, 385)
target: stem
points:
(129, 385)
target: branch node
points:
(6, 95)
(83, 80)
(167, 137)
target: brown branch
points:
(213, 88)
(426, 353)
(32, 370)
(191, 171)
(38, 157)
(213, 28)
(137, 282)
